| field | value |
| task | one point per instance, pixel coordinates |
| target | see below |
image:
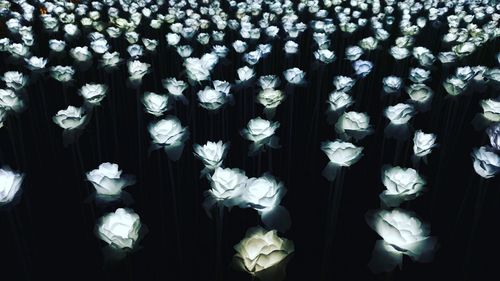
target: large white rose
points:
(108, 179)
(343, 83)
(10, 183)
(212, 154)
(402, 184)
(353, 124)
(263, 193)
(137, 70)
(294, 75)
(400, 113)
(9, 100)
(93, 93)
(120, 229)
(227, 185)
(423, 143)
(341, 153)
(70, 118)
(491, 109)
(168, 131)
(419, 93)
(392, 84)
(212, 99)
(261, 132)
(486, 162)
(270, 98)
(261, 249)
(14, 80)
(403, 234)
(155, 104)
(339, 100)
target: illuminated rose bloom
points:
(294, 75)
(269, 82)
(423, 143)
(119, 229)
(81, 54)
(402, 184)
(212, 154)
(270, 99)
(62, 73)
(227, 185)
(10, 101)
(175, 88)
(400, 113)
(10, 184)
(454, 86)
(419, 93)
(325, 56)
(169, 134)
(36, 63)
(245, 73)
(108, 180)
(263, 193)
(93, 93)
(362, 67)
(341, 154)
(494, 134)
(424, 56)
(491, 110)
(291, 47)
(353, 124)
(261, 133)
(403, 234)
(137, 70)
(212, 99)
(261, 250)
(155, 104)
(392, 84)
(486, 162)
(353, 53)
(339, 101)
(71, 118)
(14, 80)
(419, 75)
(399, 53)
(343, 83)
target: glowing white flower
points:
(400, 113)
(36, 63)
(392, 84)
(70, 118)
(212, 154)
(137, 70)
(294, 75)
(263, 193)
(353, 124)
(119, 229)
(108, 179)
(494, 135)
(362, 67)
(486, 162)
(291, 47)
(245, 73)
(491, 109)
(14, 80)
(261, 249)
(10, 183)
(62, 73)
(212, 99)
(343, 83)
(227, 185)
(93, 93)
(343, 154)
(155, 104)
(9, 100)
(423, 143)
(339, 100)
(419, 93)
(270, 98)
(402, 184)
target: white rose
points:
(402, 184)
(399, 53)
(291, 47)
(108, 179)
(270, 98)
(10, 183)
(259, 129)
(353, 124)
(211, 99)
(454, 86)
(245, 73)
(212, 154)
(195, 69)
(362, 67)
(339, 100)
(9, 100)
(400, 113)
(343, 83)
(294, 75)
(419, 75)
(263, 193)
(14, 80)
(119, 229)
(174, 86)
(353, 53)
(168, 132)
(137, 70)
(402, 234)
(261, 249)
(93, 93)
(423, 143)
(419, 93)
(227, 184)
(155, 104)
(71, 118)
(486, 162)
(491, 109)
(62, 73)
(36, 63)
(81, 54)
(110, 60)
(341, 153)
(325, 55)
(494, 135)
(392, 84)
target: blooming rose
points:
(261, 249)
(339, 100)
(494, 134)
(93, 93)
(212, 99)
(423, 143)
(70, 118)
(402, 234)
(108, 179)
(10, 183)
(270, 98)
(486, 162)
(400, 113)
(392, 84)
(353, 124)
(168, 132)
(263, 193)
(9, 100)
(14, 80)
(260, 131)
(341, 153)
(155, 104)
(294, 75)
(402, 184)
(212, 153)
(227, 185)
(491, 109)
(119, 229)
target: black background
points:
(50, 233)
